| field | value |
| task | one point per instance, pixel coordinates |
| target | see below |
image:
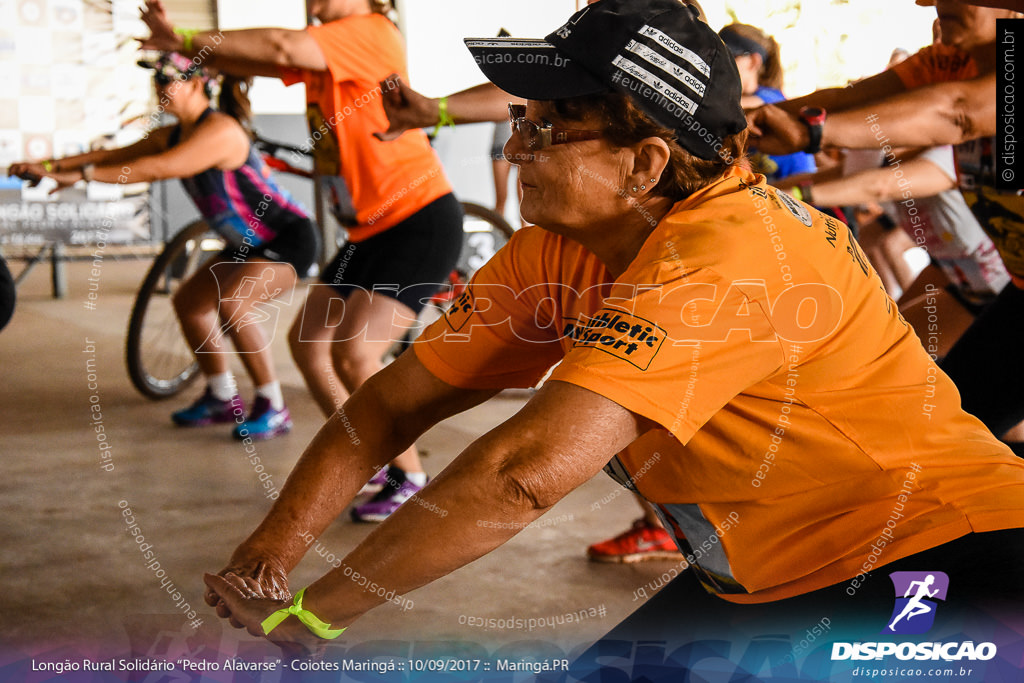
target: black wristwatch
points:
(814, 119)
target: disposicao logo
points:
(917, 596)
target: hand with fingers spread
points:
(244, 609)
(162, 36)
(775, 131)
(405, 108)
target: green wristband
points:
(312, 622)
(443, 117)
(48, 166)
(187, 34)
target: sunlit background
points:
(824, 42)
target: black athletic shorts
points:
(409, 262)
(297, 243)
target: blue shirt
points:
(788, 164)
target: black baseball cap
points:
(657, 52)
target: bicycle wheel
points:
(484, 232)
(160, 362)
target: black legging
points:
(987, 363)
(7, 294)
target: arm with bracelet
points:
(215, 144)
(920, 176)
(266, 51)
(246, 52)
(153, 143)
(514, 473)
(938, 114)
(407, 109)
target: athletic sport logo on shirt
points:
(916, 596)
(461, 310)
(618, 333)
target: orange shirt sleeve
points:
(679, 353)
(347, 43)
(345, 46)
(490, 338)
(935, 64)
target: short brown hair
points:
(627, 125)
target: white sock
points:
(272, 392)
(222, 386)
(417, 478)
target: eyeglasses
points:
(537, 137)
(168, 75)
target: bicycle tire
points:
(160, 362)
(469, 263)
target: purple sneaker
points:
(209, 410)
(376, 482)
(264, 422)
(397, 489)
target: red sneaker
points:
(642, 542)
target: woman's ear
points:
(650, 158)
(756, 62)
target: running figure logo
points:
(916, 595)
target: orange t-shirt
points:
(935, 64)
(805, 434)
(388, 181)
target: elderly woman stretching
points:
(721, 347)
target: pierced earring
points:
(654, 180)
(634, 188)
(643, 187)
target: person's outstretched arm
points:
(877, 87)
(407, 109)
(246, 52)
(386, 414)
(920, 177)
(217, 142)
(939, 114)
(153, 143)
(495, 488)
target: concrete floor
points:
(73, 580)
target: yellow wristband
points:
(187, 34)
(48, 166)
(443, 117)
(312, 622)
